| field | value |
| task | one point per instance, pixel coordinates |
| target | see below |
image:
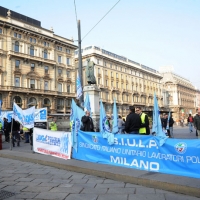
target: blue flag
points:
(87, 103)
(79, 90)
(104, 126)
(78, 113)
(0, 106)
(157, 126)
(168, 121)
(115, 128)
(73, 108)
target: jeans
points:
(198, 132)
(190, 124)
(133, 132)
(171, 132)
(27, 137)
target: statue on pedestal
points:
(90, 72)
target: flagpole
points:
(81, 99)
(11, 135)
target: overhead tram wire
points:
(76, 13)
(100, 20)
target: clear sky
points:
(155, 33)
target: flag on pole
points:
(79, 90)
(104, 126)
(157, 126)
(0, 106)
(169, 115)
(24, 117)
(75, 117)
(87, 103)
(115, 128)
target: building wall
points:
(122, 79)
(36, 67)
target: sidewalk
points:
(179, 184)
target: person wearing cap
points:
(133, 122)
(144, 130)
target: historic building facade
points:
(36, 65)
(120, 78)
(179, 95)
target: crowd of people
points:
(18, 132)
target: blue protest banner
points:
(176, 156)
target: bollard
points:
(1, 141)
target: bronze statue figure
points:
(90, 72)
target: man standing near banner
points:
(133, 122)
(144, 130)
(15, 129)
(6, 129)
(53, 125)
(197, 123)
(87, 121)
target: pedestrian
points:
(87, 121)
(190, 121)
(15, 129)
(1, 126)
(165, 122)
(193, 124)
(144, 130)
(26, 132)
(133, 122)
(197, 123)
(120, 123)
(6, 129)
(171, 123)
(53, 125)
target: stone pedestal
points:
(93, 92)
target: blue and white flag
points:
(87, 103)
(0, 106)
(73, 108)
(79, 90)
(78, 113)
(24, 117)
(104, 126)
(157, 126)
(115, 128)
(169, 115)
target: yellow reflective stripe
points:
(143, 129)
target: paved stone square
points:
(34, 181)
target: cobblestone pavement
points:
(33, 181)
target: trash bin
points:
(1, 141)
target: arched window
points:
(45, 54)
(16, 46)
(47, 102)
(18, 100)
(32, 102)
(32, 50)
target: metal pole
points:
(80, 61)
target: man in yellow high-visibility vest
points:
(144, 130)
(53, 125)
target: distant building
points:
(129, 82)
(179, 95)
(36, 65)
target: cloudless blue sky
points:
(152, 32)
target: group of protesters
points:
(136, 122)
(17, 131)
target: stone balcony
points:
(35, 91)
(29, 57)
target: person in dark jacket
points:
(197, 123)
(87, 121)
(15, 129)
(6, 129)
(144, 127)
(133, 122)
